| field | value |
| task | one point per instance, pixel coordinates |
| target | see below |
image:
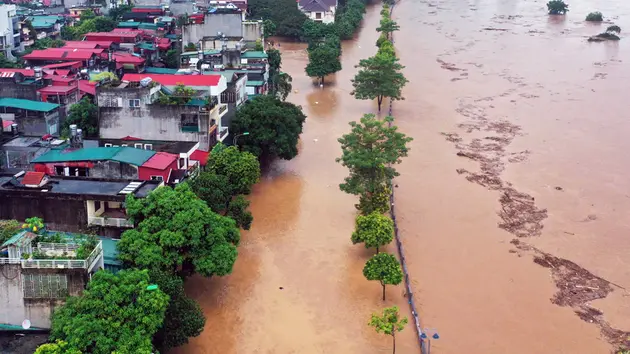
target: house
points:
(222, 25)
(77, 10)
(10, 35)
(20, 83)
(72, 204)
(32, 117)
(132, 108)
(106, 45)
(125, 39)
(47, 25)
(17, 151)
(129, 62)
(319, 10)
(88, 57)
(36, 282)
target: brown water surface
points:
(546, 107)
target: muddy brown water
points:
(537, 114)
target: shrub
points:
(595, 17)
(557, 7)
(613, 28)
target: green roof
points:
(254, 83)
(27, 104)
(14, 239)
(254, 55)
(129, 155)
(154, 70)
(205, 52)
(149, 26)
(128, 24)
(145, 45)
(45, 21)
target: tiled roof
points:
(154, 70)
(317, 5)
(173, 80)
(33, 178)
(27, 104)
(60, 65)
(114, 34)
(128, 155)
(160, 161)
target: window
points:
(190, 122)
(59, 171)
(124, 145)
(148, 146)
(135, 103)
(137, 146)
(157, 178)
(45, 286)
(182, 162)
(108, 145)
(318, 15)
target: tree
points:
(258, 46)
(323, 60)
(117, 12)
(269, 28)
(379, 77)
(115, 313)
(349, 19)
(389, 323)
(181, 95)
(6, 63)
(274, 127)
(315, 31)
(388, 26)
(595, 17)
(171, 59)
(178, 233)
(240, 167)
(385, 268)
(369, 151)
(214, 189)
(47, 43)
(557, 7)
(374, 230)
(104, 24)
(59, 347)
(87, 15)
(280, 84)
(8, 228)
(387, 49)
(190, 47)
(85, 115)
(284, 14)
(183, 318)
(237, 210)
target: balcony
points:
(222, 110)
(222, 133)
(107, 221)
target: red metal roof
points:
(201, 156)
(57, 89)
(33, 178)
(64, 54)
(25, 72)
(130, 138)
(160, 161)
(125, 33)
(6, 124)
(87, 87)
(73, 64)
(81, 44)
(125, 58)
(173, 80)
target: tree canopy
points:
(85, 115)
(373, 230)
(176, 231)
(388, 26)
(369, 151)
(214, 189)
(117, 12)
(286, 16)
(240, 167)
(389, 323)
(58, 347)
(379, 77)
(274, 127)
(115, 313)
(385, 268)
(323, 58)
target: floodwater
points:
(535, 113)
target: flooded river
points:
(519, 135)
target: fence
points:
(399, 244)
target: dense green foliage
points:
(314, 31)
(240, 167)
(85, 115)
(373, 230)
(274, 127)
(557, 7)
(47, 42)
(190, 47)
(214, 189)
(595, 17)
(285, 14)
(279, 83)
(58, 347)
(379, 77)
(8, 228)
(388, 26)
(389, 322)
(115, 313)
(323, 58)
(269, 28)
(383, 267)
(171, 59)
(348, 18)
(181, 95)
(117, 12)
(237, 210)
(178, 233)
(369, 151)
(6, 63)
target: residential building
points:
(77, 10)
(125, 38)
(319, 10)
(10, 35)
(20, 83)
(90, 58)
(47, 25)
(184, 150)
(133, 109)
(32, 117)
(71, 204)
(35, 282)
(223, 26)
(18, 151)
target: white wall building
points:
(319, 10)
(9, 30)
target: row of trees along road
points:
(370, 151)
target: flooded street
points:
(519, 131)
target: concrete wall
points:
(114, 169)
(8, 88)
(38, 124)
(228, 24)
(252, 30)
(14, 308)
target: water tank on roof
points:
(145, 82)
(38, 72)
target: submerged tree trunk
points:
(380, 100)
(383, 285)
(321, 80)
(376, 249)
(394, 339)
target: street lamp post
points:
(236, 138)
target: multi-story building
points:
(9, 31)
(319, 10)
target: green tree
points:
(240, 167)
(190, 47)
(349, 18)
(237, 210)
(369, 151)
(284, 14)
(171, 59)
(48, 43)
(115, 313)
(388, 26)
(269, 28)
(316, 31)
(323, 60)
(183, 319)
(8, 228)
(283, 84)
(181, 95)
(374, 230)
(259, 45)
(385, 268)
(595, 17)
(557, 7)
(274, 127)
(104, 24)
(117, 12)
(85, 115)
(214, 189)
(387, 49)
(59, 347)
(87, 15)
(379, 77)
(389, 323)
(6, 63)
(376, 202)
(178, 233)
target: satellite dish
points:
(26, 324)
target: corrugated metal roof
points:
(172, 80)
(160, 161)
(124, 154)
(254, 55)
(27, 104)
(33, 178)
(154, 70)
